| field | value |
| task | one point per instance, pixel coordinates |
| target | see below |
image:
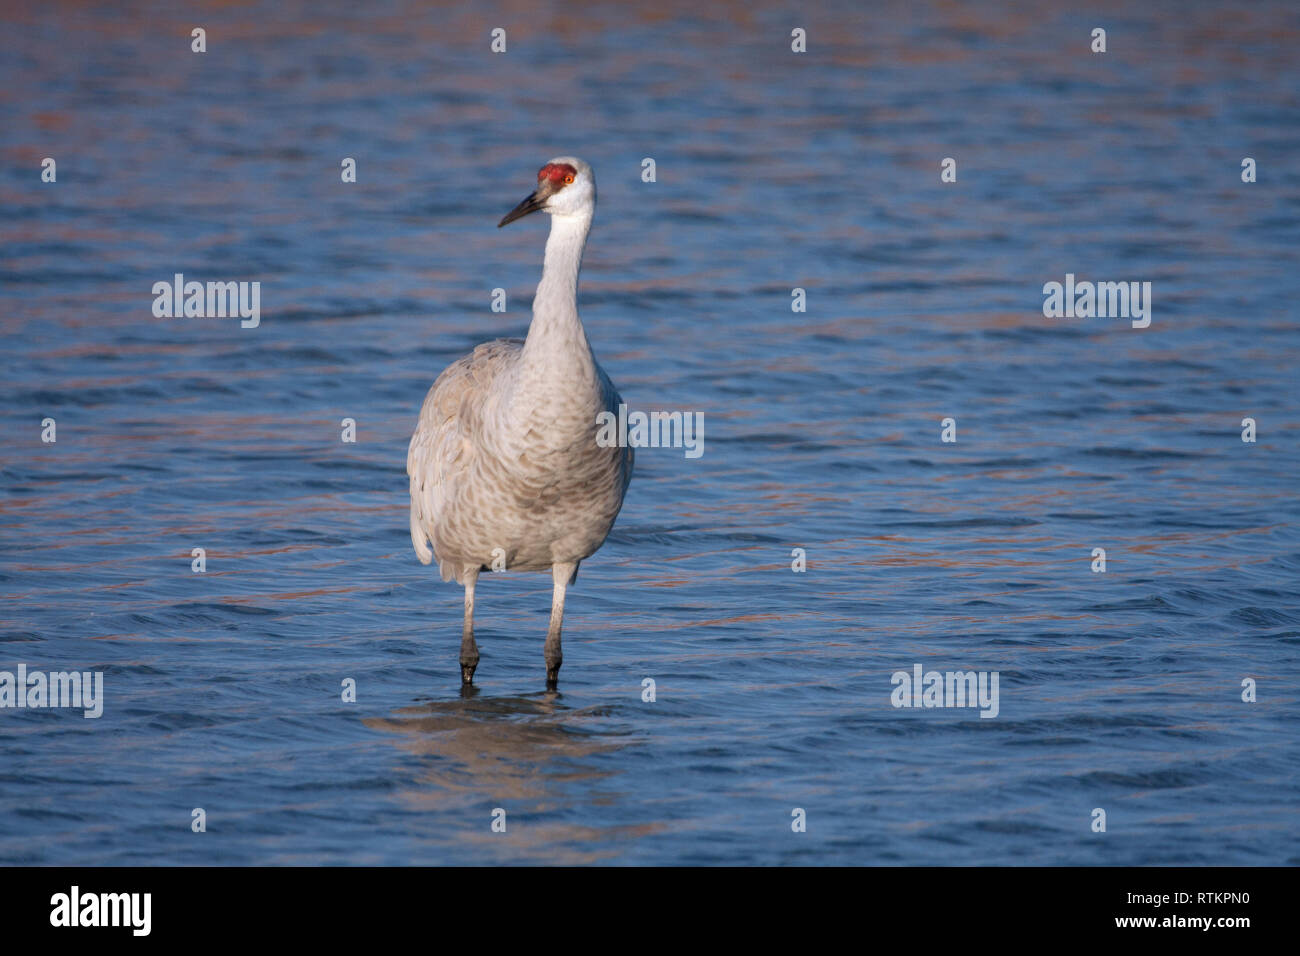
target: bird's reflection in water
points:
(531, 755)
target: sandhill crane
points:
(504, 465)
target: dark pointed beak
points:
(533, 203)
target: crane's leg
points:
(561, 574)
(468, 649)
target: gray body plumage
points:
(488, 474)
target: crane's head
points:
(565, 187)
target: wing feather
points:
(447, 436)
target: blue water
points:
(1119, 690)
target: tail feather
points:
(420, 540)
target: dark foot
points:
(552, 677)
(467, 672)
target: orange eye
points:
(568, 179)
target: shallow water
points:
(1118, 690)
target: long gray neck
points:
(556, 339)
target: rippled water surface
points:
(1119, 691)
